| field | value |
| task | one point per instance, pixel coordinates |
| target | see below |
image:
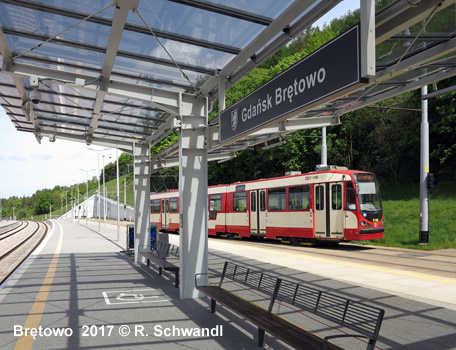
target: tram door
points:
(329, 214)
(337, 219)
(258, 212)
(320, 210)
(165, 213)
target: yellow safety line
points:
(34, 318)
(366, 267)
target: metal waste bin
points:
(131, 236)
(153, 236)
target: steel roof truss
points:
(120, 17)
(164, 99)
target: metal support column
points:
(324, 151)
(141, 160)
(367, 38)
(424, 170)
(193, 201)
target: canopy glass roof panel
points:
(265, 8)
(71, 54)
(158, 72)
(82, 6)
(198, 23)
(30, 22)
(113, 71)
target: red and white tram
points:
(323, 206)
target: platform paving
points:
(80, 282)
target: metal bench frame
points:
(359, 317)
(158, 257)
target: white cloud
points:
(26, 166)
(43, 157)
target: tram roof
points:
(113, 73)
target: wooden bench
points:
(361, 318)
(158, 257)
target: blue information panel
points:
(333, 68)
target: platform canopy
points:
(114, 73)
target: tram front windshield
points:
(370, 203)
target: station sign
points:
(332, 69)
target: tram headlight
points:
(365, 224)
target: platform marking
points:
(365, 267)
(34, 318)
(135, 296)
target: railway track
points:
(17, 243)
(437, 263)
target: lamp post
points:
(87, 193)
(118, 195)
(79, 214)
(72, 211)
(66, 202)
(99, 194)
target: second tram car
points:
(330, 205)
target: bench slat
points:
(269, 322)
(159, 259)
(359, 317)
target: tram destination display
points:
(332, 69)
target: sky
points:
(26, 166)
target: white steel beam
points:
(416, 84)
(403, 14)
(416, 60)
(166, 100)
(279, 24)
(292, 125)
(120, 17)
(318, 10)
(141, 161)
(367, 45)
(173, 162)
(26, 103)
(193, 202)
(111, 143)
(171, 124)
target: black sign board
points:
(331, 69)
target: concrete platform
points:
(5, 223)
(80, 284)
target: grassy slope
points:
(402, 217)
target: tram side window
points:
(336, 203)
(215, 205)
(156, 206)
(319, 198)
(240, 201)
(262, 200)
(253, 201)
(277, 199)
(173, 205)
(298, 198)
(351, 199)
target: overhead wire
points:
(60, 33)
(167, 52)
(85, 109)
(399, 59)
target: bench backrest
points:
(174, 250)
(162, 249)
(266, 284)
(357, 316)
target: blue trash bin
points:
(130, 237)
(153, 235)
